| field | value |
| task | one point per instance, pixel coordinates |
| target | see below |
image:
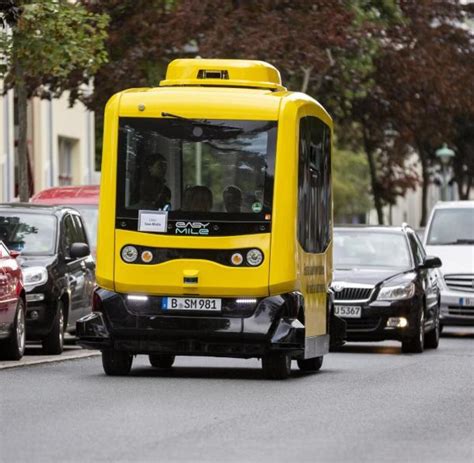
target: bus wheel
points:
(161, 360)
(313, 364)
(276, 365)
(116, 363)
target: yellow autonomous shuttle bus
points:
(215, 235)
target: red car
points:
(12, 306)
(83, 198)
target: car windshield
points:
(452, 226)
(28, 233)
(364, 248)
(90, 215)
(214, 169)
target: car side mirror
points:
(14, 254)
(79, 250)
(431, 262)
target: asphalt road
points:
(369, 403)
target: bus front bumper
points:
(242, 332)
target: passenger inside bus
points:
(154, 193)
(197, 199)
(232, 196)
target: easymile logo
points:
(192, 228)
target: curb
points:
(58, 359)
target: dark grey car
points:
(58, 269)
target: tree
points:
(323, 47)
(350, 184)
(49, 41)
(419, 89)
(463, 162)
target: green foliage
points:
(51, 40)
(351, 184)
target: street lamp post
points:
(444, 154)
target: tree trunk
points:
(424, 187)
(22, 102)
(373, 181)
(306, 77)
(463, 193)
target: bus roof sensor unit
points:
(222, 72)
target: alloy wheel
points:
(422, 327)
(61, 327)
(20, 330)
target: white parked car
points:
(450, 236)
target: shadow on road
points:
(214, 373)
(458, 334)
(37, 350)
(367, 349)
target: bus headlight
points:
(147, 256)
(236, 258)
(254, 257)
(129, 254)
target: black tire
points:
(441, 327)
(53, 343)
(161, 360)
(415, 344)
(15, 345)
(116, 363)
(432, 337)
(309, 365)
(276, 365)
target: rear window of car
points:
(452, 226)
(33, 234)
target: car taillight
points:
(96, 302)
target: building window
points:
(65, 155)
(314, 185)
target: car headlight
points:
(34, 276)
(395, 293)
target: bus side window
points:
(314, 185)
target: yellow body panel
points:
(286, 266)
(214, 279)
(202, 103)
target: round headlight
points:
(254, 257)
(236, 258)
(147, 256)
(129, 254)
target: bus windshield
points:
(214, 169)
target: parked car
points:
(12, 306)
(386, 287)
(450, 235)
(83, 198)
(58, 269)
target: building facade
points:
(61, 145)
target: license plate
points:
(466, 301)
(191, 303)
(348, 311)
